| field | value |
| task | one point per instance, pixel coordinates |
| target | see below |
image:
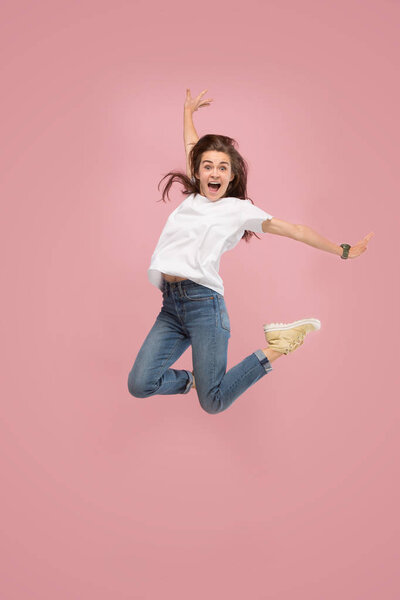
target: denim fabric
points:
(192, 314)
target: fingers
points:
(201, 94)
(361, 246)
(367, 237)
(200, 102)
(365, 240)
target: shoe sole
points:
(282, 326)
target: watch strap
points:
(346, 248)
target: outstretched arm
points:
(305, 234)
(190, 136)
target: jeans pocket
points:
(223, 313)
(204, 294)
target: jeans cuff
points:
(190, 382)
(263, 360)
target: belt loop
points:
(180, 288)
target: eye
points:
(223, 168)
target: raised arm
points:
(190, 136)
(305, 234)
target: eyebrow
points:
(223, 162)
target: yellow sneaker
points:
(287, 337)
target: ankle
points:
(271, 354)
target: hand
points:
(198, 102)
(361, 247)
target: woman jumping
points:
(214, 216)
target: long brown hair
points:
(237, 188)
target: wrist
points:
(346, 249)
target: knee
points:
(137, 387)
(210, 405)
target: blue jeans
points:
(192, 314)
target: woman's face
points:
(215, 167)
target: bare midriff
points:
(172, 278)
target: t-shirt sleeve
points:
(252, 217)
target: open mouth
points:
(214, 187)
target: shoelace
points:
(293, 344)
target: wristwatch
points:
(346, 248)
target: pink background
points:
(293, 492)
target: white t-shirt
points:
(196, 235)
